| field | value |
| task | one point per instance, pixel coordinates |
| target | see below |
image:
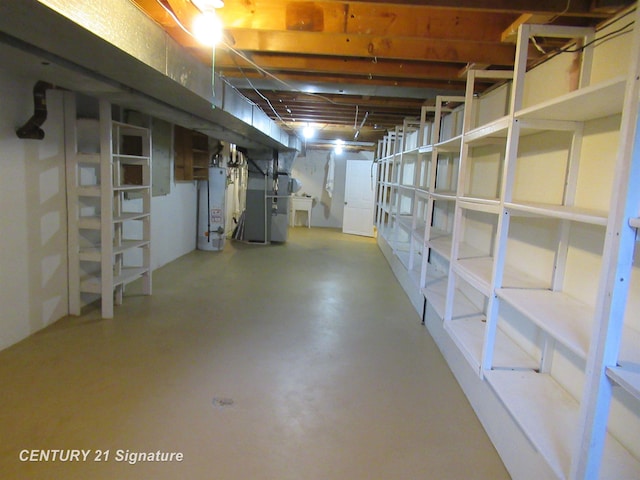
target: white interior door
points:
(359, 198)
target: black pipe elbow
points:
(31, 129)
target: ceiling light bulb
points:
(308, 131)
(207, 28)
(339, 147)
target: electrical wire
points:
(599, 41)
(538, 47)
(167, 7)
(566, 9)
(596, 41)
(269, 74)
(259, 93)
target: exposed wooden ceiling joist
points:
(356, 51)
(227, 61)
(338, 79)
(576, 7)
(372, 46)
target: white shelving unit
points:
(402, 199)
(444, 157)
(109, 219)
(528, 266)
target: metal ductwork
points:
(110, 49)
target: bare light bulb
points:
(308, 131)
(207, 28)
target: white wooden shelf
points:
(564, 318)
(435, 292)
(422, 193)
(130, 188)
(446, 195)
(477, 270)
(440, 242)
(450, 145)
(127, 275)
(467, 251)
(94, 254)
(627, 379)
(486, 205)
(548, 416)
(129, 128)
(426, 149)
(490, 133)
(576, 214)
(468, 334)
(546, 413)
(589, 103)
(406, 222)
(126, 216)
(94, 222)
(132, 159)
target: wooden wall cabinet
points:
(191, 154)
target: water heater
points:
(211, 210)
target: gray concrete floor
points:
(296, 361)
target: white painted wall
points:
(33, 222)
(311, 169)
(173, 223)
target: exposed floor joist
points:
(354, 51)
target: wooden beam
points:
(372, 46)
(360, 18)
(344, 117)
(324, 105)
(341, 99)
(352, 79)
(510, 33)
(424, 22)
(226, 60)
(576, 8)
